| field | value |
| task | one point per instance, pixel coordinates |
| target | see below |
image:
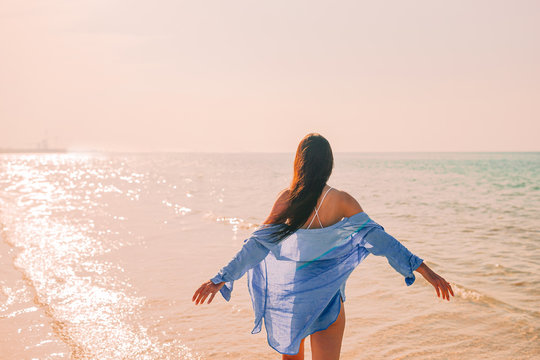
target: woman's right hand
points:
(441, 286)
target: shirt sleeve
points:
(379, 242)
(252, 253)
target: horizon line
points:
(72, 151)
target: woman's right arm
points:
(441, 286)
(350, 206)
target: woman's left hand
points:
(207, 288)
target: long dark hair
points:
(313, 166)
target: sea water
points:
(100, 254)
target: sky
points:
(229, 76)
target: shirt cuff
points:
(415, 262)
(226, 289)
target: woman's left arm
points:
(252, 253)
(207, 288)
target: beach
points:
(100, 254)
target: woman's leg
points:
(326, 344)
(299, 356)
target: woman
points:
(299, 259)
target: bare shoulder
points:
(279, 205)
(347, 204)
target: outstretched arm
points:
(207, 288)
(400, 254)
(250, 255)
(379, 242)
(441, 285)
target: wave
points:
(478, 297)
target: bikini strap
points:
(317, 210)
(330, 188)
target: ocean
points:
(100, 254)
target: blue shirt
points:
(295, 285)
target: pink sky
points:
(258, 75)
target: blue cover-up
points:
(296, 284)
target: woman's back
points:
(332, 206)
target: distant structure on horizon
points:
(41, 147)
